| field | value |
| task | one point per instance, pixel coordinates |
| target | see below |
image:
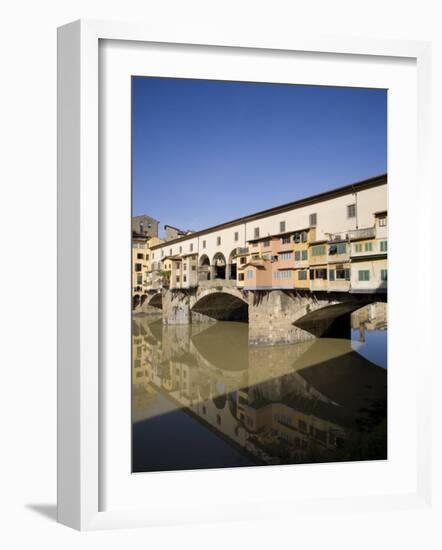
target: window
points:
(204, 244)
(191, 247)
(281, 227)
(162, 253)
(318, 250)
(177, 278)
(285, 256)
(351, 211)
(283, 274)
(153, 255)
(250, 274)
(321, 274)
(240, 276)
(170, 252)
(331, 274)
(236, 235)
(194, 268)
(266, 244)
(181, 249)
(184, 267)
(139, 256)
(384, 246)
(256, 232)
(139, 279)
(364, 275)
(301, 255)
(358, 247)
(368, 247)
(137, 267)
(302, 275)
(341, 248)
(297, 255)
(243, 260)
(313, 219)
(184, 278)
(382, 221)
(384, 274)
(218, 241)
(343, 274)
(285, 240)
(304, 254)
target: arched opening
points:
(232, 266)
(204, 268)
(331, 321)
(223, 307)
(135, 301)
(143, 299)
(220, 397)
(157, 300)
(219, 266)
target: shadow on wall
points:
(222, 306)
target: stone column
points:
(272, 315)
(176, 307)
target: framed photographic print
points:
(233, 272)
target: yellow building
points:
(141, 265)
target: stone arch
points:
(156, 300)
(330, 320)
(219, 265)
(222, 306)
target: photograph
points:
(259, 274)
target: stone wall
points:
(271, 317)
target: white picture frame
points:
(80, 262)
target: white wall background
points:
(28, 276)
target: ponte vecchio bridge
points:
(293, 272)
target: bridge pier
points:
(177, 308)
(274, 316)
(271, 316)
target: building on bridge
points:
(333, 241)
(145, 225)
(141, 266)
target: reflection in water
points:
(204, 398)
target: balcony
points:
(367, 233)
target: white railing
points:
(367, 233)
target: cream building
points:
(334, 241)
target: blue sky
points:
(205, 152)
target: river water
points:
(204, 398)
